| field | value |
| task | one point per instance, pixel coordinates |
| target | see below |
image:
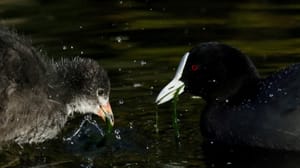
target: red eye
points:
(195, 67)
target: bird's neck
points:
(82, 105)
(236, 91)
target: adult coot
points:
(37, 94)
(241, 109)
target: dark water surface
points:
(140, 44)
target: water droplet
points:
(229, 163)
(211, 142)
(120, 69)
(151, 87)
(136, 85)
(279, 89)
(119, 39)
(64, 47)
(72, 47)
(271, 95)
(226, 100)
(214, 81)
(143, 63)
(81, 52)
(117, 133)
(80, 27)
(118, 137)
(121, 101)
(203, 28)
(131, 125)
(121, 2)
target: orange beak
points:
(106, 113)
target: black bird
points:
(38, 94)
(242, 109)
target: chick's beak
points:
(106, 113)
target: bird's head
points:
(88, 87)
(210, 70)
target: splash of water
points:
(87, 119)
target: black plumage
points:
(242, 108)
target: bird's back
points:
(278, 106)
(20, 63)
(269, 119)
(24, 92)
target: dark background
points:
(140, 44)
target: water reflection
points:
(249, 157)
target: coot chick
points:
(242, 109)
(38, 94)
